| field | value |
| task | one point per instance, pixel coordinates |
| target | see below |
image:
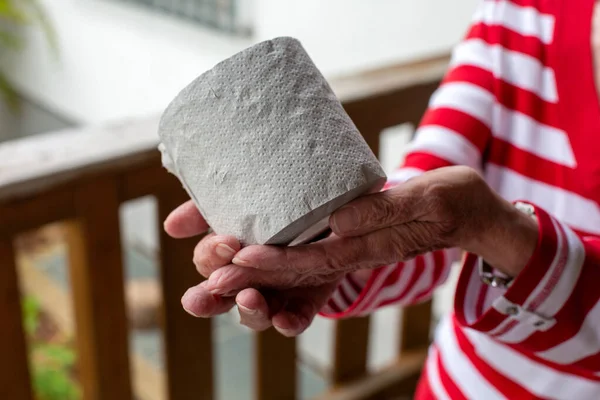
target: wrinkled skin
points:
(447, 207)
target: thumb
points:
(396, 206)
(185, 221)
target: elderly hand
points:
(447, 207)
(289, 311)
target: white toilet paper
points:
(264, 148)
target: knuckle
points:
(287, 279)
(205, 258)
(381, 211)
(333, 261)
(301, 260)
(287, 263)
(310, 280)
(233, 277)
(468, 173)
(393, 246)
(199, 260)
(435, 191)
(437, 201)
(422, 237)
(350, 257)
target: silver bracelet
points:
(493, 278)
(487, 273)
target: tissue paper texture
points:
(264, 147)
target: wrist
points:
(509, 241)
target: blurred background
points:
(83, 83)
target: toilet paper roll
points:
(264, 147)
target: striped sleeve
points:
(403, 283)
(552, 308)
(455, 130)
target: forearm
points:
(507, 245)
(508, 241)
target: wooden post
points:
(187, 340)
(14, 367)
(98, 292)
(275, 357)
(351, 350)
(415, 326)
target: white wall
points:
(345, 35)
(118, 61)
(115, 61)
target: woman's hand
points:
(290, 311)
(447, 207)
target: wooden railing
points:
(82, 177)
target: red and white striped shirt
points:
(519, 104)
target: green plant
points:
(14, 16)
(52, 363)
(51, 377)
(31, 315)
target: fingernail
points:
(345, 220)
(191, 313)
(241, 262)
(224, 251)
(250, 311)
(287, 332)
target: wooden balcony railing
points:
(81, 177)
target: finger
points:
(185, 221)
(290, 324)
(231, 279)
(198, 302)
(302, 306)
(389, 245)
(253, 309)
(369, 213)
(274, 258)
(325, 257)
(319, 262)
(213, 252)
